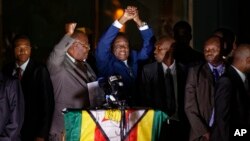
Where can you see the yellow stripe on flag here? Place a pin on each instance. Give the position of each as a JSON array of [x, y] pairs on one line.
[[87, 128], [145, 126]]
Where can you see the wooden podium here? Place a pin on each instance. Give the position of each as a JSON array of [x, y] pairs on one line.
[[104, 125]]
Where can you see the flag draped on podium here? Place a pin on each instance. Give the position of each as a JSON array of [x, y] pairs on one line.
[[104, 125]]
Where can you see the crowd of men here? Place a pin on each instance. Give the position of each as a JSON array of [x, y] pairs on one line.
[[205, 95]]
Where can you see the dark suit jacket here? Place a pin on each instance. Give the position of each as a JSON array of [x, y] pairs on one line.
[[199, 99], [11, 109], [69, 82], [153, 87], [153, 92], [232, 107], [38, 96]]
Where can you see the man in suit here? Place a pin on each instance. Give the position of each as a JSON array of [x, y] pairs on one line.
[[199, 91], [113, 56], [70, 74], [11, 109], [232, 99], [154, 89], [37, 90]]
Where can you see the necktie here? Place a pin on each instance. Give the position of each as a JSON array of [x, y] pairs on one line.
[[82, 66], [216, 74], [170, 95], [18, 73], [216, 77]]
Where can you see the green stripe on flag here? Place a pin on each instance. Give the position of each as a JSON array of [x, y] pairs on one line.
[[72, 122], [159, 118]]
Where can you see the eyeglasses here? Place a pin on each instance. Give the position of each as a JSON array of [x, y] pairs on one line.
[[87, 46]]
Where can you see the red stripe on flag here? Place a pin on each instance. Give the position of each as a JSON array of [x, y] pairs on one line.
[[133, 134], [98, 135]]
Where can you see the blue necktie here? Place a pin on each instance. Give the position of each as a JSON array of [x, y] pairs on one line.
[[216, 74], [216, 77]]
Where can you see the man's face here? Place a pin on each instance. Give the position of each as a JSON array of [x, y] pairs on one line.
[[81, 48], [22, 50], [248, 65], [212, 53], [161, 48], [121, 48]]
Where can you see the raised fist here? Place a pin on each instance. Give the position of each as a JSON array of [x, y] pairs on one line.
[[69, 28]]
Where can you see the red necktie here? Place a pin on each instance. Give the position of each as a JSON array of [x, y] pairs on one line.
[[18, 73]]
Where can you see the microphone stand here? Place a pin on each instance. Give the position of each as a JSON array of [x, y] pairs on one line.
[[123, 125]]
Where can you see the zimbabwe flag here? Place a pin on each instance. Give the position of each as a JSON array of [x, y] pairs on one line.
[[104, 125]]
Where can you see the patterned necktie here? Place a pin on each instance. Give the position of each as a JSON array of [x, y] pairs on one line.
[[170, 95], [18, 73]]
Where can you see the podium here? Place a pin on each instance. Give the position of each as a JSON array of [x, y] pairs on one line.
[[104, 124]]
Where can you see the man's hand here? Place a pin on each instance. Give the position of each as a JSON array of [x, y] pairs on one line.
[[129, 14], [137, 18], [70, 28]]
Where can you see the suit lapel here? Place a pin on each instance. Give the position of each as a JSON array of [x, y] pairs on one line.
[[76, 72], [209, 74], [205, 77], [91, 73], [238, 80], [28, 70], [161, 78]]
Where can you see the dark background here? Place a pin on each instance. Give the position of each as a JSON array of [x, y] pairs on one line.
[[43, 20]]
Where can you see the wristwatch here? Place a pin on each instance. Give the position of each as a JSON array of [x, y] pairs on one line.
[[143, 24]]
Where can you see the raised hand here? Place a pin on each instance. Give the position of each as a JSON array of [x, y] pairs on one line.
[[129, 14], [70, 28], [137, 18]]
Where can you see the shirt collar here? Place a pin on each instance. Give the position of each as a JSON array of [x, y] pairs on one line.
[[73, 59], [220, 68], [165, 67], [24, 65], [241, 74], [126, 62]]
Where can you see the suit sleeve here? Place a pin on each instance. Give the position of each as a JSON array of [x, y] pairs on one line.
[[198, 128], [14, 111], [103, 51], [148, 44], [45, 90], [223, 95], [58, 54]]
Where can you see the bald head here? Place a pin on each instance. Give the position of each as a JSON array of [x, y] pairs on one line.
[[80, 48], [163, 47], [242, 58]]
